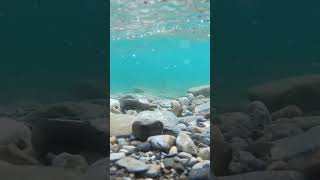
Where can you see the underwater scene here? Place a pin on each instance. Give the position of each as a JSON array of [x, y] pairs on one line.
[[53, 73], [266, 90], [160, 89]]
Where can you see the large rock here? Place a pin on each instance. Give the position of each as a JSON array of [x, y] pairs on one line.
[[266, 175], [121, 124], [303, 91], [72, 136], [200, 90], [169, 119], [144, 128]]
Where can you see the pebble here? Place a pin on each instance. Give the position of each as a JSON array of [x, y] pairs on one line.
[[162, 142], [173, 151], [185, 143], [117, 156], [132, 165], [153, 171]]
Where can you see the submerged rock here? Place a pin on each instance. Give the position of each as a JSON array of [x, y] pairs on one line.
[[144, 128], [162, 142], [303, 91], [132, 165], [169, 119], [200, 90], [186, 144]]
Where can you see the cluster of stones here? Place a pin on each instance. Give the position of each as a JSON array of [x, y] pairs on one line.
[[159, 138], [66, 140], [275, 137]]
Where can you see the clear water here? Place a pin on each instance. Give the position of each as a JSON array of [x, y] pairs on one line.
[[161, 47]]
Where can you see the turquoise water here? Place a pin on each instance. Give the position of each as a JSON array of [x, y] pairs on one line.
[[161, 47], [160, 65]]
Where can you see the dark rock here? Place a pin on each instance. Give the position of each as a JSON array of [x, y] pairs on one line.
[[75, 137], [144, 128], [287, 112], [259, 113], [303, 91], [143, 147]]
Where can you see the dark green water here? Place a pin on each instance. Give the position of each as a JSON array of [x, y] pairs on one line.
[[48, 48], [258, 41]]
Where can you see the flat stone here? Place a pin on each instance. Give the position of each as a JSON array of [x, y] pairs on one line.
[[162, 142], [132, 165], [186, 144], [117, 156]]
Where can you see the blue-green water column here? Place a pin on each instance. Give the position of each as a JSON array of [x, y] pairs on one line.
[[163, 65]]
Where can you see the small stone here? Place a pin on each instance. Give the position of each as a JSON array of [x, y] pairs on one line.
[[113, 140], [287, 112], [135, 143], [71, 161], [168, 163], [130, 149], [204, 153], [132, 165], [200, 174], [162, 142], [153, 171], [201, 165], [173, 151], [192, 161], [186, 144], [117, 156], [185, 155], [179, 168], [277, 166], [143, 147]]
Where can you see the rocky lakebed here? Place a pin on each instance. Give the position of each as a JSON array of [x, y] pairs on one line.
[[160, 138], [275, 137]]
